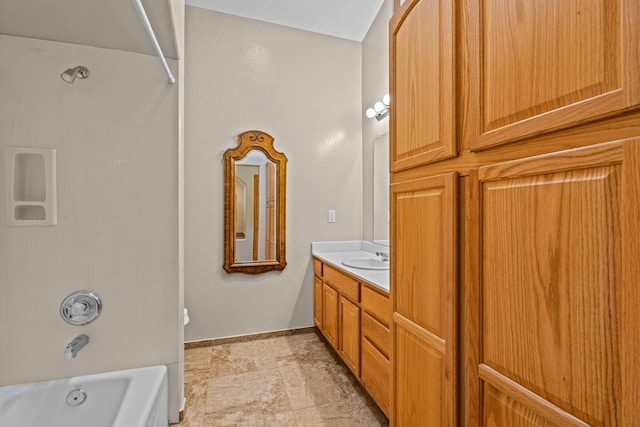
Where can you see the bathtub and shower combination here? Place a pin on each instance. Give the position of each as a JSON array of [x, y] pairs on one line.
[[130, 398]]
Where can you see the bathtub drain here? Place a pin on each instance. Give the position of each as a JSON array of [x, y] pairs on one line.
[[76, 397]]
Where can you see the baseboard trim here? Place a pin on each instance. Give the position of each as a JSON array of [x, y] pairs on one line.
[[245, 338]]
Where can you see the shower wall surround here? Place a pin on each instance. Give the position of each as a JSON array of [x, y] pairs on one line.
[[115, 137]]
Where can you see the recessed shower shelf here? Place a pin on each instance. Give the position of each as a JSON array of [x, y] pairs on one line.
[[30, 186]]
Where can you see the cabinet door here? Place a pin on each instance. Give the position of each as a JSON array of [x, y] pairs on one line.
[[550, 64], [330, 314], [317, 301], [422, 76], [424, 300], [559, 295], [350, 335]]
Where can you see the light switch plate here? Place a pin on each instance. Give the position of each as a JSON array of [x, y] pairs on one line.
[[331, 216]]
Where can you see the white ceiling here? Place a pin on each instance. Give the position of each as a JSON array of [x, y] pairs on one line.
[[112, 24], [347, 19]]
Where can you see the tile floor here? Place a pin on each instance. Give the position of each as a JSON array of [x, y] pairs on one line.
[[294, 380]]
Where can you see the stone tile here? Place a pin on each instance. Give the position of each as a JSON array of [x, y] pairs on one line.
[[287, 345], [300, 348], [236, 358], [191, 376], [250, 418], [314, 384], [343, 414], [196, 359], [259, 391], [195, 392]]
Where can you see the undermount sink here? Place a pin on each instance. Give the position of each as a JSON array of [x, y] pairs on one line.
[[366, 263]]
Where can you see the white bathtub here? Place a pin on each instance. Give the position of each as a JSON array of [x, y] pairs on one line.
[[131, 398]]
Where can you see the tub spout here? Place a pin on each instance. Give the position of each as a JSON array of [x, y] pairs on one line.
[[75, 346]]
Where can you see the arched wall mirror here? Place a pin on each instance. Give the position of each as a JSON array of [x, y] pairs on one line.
[[254, 205]]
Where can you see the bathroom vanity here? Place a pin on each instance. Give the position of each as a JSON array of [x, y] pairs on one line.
[[352, 310]]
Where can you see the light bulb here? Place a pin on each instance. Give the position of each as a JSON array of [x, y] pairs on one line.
[[379, 107], [386, 100], [370, 113]]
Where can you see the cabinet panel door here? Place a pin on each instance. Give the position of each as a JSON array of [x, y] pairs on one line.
[[422, 76], [350, 335], [330, 314], [559, 288], [317, 301], [551, 64], [424, 300]]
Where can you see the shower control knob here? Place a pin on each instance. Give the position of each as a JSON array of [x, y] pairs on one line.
[[80, 308]]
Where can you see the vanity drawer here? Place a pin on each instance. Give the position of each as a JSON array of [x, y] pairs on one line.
[[343, 283], [375, 375], [317, 267], [376, 332], [377, 305]]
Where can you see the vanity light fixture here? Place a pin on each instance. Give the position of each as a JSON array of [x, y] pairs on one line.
[[380, 109]]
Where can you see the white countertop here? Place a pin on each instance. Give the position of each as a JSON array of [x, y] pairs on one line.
[[333, 253]]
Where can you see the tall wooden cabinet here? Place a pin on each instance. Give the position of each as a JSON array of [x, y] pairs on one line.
[[515, 206]]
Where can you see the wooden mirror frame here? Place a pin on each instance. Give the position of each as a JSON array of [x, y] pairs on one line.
[[247, 141]]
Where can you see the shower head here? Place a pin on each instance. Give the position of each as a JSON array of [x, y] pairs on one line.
[[71, 74]]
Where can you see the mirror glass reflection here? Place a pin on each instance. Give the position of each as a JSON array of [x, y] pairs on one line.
[[255, 208], [381, 189]]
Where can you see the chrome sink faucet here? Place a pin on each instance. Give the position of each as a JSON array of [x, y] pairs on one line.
[[75, 346], [383, 255]]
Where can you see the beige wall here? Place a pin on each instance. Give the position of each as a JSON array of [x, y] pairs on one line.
[[116, 135], [375, 83], [302, 88]]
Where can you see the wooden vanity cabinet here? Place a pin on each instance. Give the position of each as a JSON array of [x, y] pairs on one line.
[[355, 321]]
